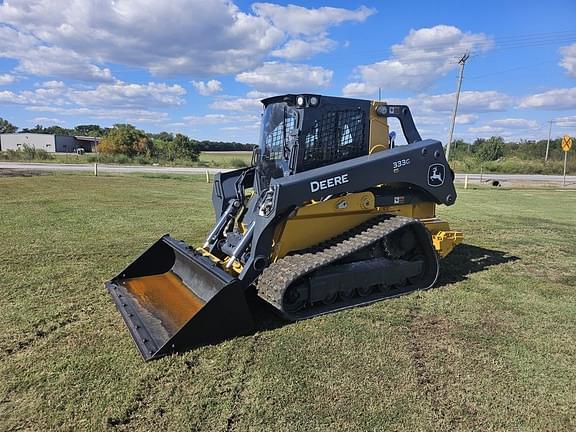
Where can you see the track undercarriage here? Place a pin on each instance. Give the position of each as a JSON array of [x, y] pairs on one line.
[[384, 257]]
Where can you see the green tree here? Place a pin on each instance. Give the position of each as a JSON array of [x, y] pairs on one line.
[[91, 130], [175, 147], [126, 139], [162, 136], [459, 149], [185, 147], [50, 130], [7, 127], [489, 150]]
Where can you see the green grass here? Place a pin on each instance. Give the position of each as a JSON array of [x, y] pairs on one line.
[[491, 348], [512, 165], [224, 159]]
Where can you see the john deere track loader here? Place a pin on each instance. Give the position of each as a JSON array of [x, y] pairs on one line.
[[330, 215]]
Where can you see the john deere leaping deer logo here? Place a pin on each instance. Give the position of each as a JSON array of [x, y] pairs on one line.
[[436, 175]]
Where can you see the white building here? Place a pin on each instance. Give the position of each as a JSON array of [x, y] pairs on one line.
[[50, 143]]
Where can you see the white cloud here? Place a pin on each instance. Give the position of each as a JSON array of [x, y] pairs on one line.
[[298, 20], [464, 119], [470, 102], [47, 121], [7, 79], [238, 104], [78, 39], [40, 96], [37, 58], [260, 94], [118, 94], [486, 129], [119, 115], [556, 99], [506, 127], [220, 119], [568, 61], [119, 100], [285, 77], [569, 121], [121, 94], [308, 27], [424, 56], [207, 88], [247, 127], [516, 123], [164, 37], [298, 49]]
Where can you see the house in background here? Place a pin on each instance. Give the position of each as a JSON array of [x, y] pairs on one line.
[[50, 143]]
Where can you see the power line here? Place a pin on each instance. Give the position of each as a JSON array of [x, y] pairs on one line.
[[511, 69], [500, 43]]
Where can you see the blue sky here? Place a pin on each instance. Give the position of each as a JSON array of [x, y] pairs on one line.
[[200, 67]]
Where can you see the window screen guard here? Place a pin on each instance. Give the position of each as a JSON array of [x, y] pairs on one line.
[[338, 135]]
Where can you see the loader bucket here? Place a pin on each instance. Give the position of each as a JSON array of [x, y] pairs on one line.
[[173, 298]]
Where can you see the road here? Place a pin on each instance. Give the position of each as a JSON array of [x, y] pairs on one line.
[[517, 178], [124, 169], [473, 178]]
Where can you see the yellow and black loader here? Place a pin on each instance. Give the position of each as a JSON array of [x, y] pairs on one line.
[[331, 215]]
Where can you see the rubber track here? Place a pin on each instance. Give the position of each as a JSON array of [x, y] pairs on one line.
[[278, 277]]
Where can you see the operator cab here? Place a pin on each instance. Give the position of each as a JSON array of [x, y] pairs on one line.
[[303, 132]]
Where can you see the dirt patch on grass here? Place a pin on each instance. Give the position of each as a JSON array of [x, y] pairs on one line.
[[39, 331], [140, 401], [433, 352], [238, 391]]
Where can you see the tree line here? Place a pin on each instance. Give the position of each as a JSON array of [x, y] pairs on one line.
[[126, 139], [494, 148]]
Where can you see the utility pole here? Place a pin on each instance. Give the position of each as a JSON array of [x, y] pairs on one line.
[[461, 62], [548, 143]]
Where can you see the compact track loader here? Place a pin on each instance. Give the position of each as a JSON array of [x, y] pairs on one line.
[[330, 215]]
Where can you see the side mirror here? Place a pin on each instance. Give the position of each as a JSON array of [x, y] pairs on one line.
[[255, 156]]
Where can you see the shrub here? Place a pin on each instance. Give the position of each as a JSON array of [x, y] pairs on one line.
[[238, 163], [27, 153], [490, 150], [125, 139]]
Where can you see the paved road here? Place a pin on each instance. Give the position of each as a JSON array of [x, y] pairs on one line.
[[517, 178], [107, 168]]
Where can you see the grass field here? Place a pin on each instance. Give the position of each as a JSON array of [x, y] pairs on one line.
[[490, 348], [225, 159], [216, 159]]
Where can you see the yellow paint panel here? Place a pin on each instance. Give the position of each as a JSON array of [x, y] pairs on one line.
[[379, 131], [321, 221]]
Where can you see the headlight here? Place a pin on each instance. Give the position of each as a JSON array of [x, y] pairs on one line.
[[314, 101], [300, 101], [382, 110]]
